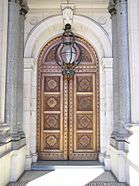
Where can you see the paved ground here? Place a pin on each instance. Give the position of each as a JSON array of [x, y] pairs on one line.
[[105, 179], [67, 173]]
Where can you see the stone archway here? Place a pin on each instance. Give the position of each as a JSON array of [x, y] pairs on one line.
[[37, 38]]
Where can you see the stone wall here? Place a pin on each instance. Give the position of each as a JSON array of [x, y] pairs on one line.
[[133, 20], [133, 152]]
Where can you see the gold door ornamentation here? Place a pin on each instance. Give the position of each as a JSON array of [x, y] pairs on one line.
[[68, 110]]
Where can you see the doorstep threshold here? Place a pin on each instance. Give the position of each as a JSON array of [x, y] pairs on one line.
[[52, 165]]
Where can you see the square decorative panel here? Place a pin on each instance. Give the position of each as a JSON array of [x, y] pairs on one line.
[[52, 103], [51, 121], [85, 84], [84, 103], [84, 122], [52, 84], [52, 141], [84, 141]]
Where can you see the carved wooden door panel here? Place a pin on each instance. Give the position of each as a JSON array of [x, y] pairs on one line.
[[53, 144], [68, 119], [82, 117]]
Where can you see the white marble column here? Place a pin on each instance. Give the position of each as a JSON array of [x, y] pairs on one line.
[[123, 64], [4, 128], [121, 75], [12, 60], [14, 84]]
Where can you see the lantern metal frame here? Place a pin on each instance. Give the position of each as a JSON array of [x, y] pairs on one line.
[[68, 53]]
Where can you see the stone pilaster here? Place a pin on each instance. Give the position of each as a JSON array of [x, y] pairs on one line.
[[121, 75], [14, 84]]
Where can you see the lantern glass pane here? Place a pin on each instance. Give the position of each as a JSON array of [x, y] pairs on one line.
[[68, 54]]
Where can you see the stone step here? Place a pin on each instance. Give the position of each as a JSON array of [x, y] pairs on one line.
[[105, 184], [52, 165], [90, 184]]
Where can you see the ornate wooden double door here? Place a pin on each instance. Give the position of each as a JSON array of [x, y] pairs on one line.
[[68, 110]]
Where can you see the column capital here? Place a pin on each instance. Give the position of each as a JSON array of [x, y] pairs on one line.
[[24, 7], [111, 7]]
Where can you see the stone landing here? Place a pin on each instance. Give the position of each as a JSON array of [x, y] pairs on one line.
[[68, 177]]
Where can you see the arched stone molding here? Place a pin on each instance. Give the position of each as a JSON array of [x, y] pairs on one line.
[[45, 31], [82, 26]]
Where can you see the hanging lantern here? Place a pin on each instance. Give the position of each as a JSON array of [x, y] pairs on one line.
[[68, 52]]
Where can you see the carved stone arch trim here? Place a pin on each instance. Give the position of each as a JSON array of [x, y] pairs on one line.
[[91, 32]]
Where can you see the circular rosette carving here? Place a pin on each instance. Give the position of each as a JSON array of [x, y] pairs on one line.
[[102, 20]]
